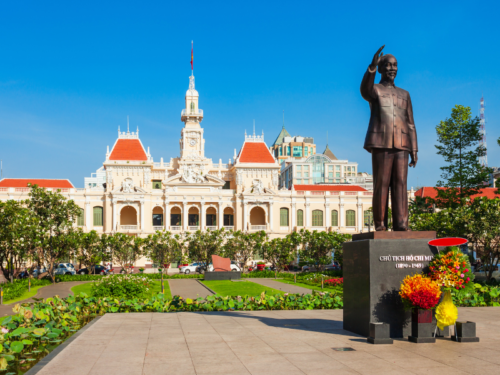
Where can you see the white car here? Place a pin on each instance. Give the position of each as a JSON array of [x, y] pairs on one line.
[[65, 269], [234, 267], [193, 267]]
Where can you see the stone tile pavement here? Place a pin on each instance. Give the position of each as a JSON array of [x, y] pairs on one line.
[[265, 342]]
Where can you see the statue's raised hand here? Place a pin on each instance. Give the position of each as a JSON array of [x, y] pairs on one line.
[[376, 58]]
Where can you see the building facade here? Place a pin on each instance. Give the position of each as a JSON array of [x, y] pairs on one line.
[[131, 193]]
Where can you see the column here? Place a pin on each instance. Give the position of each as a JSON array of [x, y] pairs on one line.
[[294, 216], [342, 215], [166, 219], [185, 210], [245, 215], [142, 214], [114, 215], [271, 216], [307, 220], [88, 216], [203, 217], [220, 216], [328, 215], [360, 217]]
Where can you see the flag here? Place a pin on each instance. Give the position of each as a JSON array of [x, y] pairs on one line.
[[192, 56]]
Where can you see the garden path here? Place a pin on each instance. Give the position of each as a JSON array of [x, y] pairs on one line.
[[62, 290], [287, 288], [188, 288]]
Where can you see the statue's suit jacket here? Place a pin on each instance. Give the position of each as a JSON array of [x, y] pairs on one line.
[[391, 120]]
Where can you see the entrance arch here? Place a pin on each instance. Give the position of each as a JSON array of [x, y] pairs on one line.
[[258, 219], [128, 218]]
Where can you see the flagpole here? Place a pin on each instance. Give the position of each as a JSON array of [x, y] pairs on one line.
[[192, 59]]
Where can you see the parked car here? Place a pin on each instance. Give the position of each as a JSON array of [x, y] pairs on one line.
[[37, 272], [64, 269], [193, 267], [313, 268], [234, 267], [482, 271], [98, 270]]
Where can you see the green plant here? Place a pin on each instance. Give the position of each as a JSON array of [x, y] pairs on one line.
[[121, 286]]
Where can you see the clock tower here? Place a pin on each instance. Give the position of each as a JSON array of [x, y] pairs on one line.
[[192, 143]]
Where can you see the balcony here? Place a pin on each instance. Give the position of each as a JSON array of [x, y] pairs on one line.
[[129, 227], [176, 228], [211, 227], [157, 227], [193, 228], [191, 113], [229, 227], [258, 227]]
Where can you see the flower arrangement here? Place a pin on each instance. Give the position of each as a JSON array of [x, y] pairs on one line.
[[451, 270], [335, 282], [419, 291]]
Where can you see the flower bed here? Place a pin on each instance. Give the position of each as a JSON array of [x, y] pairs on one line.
[[334, 282], [125, 286]]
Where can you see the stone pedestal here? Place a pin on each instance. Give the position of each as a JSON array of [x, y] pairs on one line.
[[466, 332], [233, 275], [375, 263]]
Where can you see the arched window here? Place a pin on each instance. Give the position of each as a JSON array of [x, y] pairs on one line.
[[317, 218], [98, 216], [335, 218], [300, 218], [350, 218], [80, 221], [284, 217], [368, 218]]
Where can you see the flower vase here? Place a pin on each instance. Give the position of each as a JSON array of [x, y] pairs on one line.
[[422, 328]]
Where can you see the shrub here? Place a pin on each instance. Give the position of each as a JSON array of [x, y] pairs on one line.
[[334, 282], [19, 287], [121, 286]]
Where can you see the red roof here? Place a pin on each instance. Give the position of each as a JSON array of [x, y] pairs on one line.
[[429, 191], [328, 188], [255, 152], [128, 149], [23, 182]]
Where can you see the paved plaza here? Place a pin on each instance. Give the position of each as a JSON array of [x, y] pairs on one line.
[[265, 342]]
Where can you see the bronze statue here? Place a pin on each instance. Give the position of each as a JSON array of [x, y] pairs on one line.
[[391, 137]]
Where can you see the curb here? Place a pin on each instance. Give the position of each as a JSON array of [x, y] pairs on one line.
[[206, 287], [45, 360]]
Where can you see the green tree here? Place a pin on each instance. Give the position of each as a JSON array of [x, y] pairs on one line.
[[202, 245], [124, 249], [482, 221], [281, 251], [463, 175], [18, 236], [162, 248], [92, 249], [242, 246], [55, 234], [318, 246]]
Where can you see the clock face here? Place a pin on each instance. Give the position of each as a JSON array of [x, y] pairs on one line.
[[192, 142]]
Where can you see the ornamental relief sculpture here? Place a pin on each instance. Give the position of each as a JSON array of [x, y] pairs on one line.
[[193, 174]]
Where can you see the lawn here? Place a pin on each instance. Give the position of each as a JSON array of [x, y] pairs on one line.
[[312, 287], [25, 295], [85, 288], [239, 288]]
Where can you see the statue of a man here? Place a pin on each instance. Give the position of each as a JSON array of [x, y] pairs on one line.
[[391, 138]]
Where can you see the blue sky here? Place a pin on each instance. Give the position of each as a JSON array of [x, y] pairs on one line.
[[71, 72]]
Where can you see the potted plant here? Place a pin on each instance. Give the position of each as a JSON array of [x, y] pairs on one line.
[[261, 266], [141, 270], [420, 294]]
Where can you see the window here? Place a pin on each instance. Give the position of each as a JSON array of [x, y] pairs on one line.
[[80, 221], [192, 107], [300, 218], [368, 218], [228, 220], [330, 175], [97, 216], [306, 181], [281, 151], [337, 181], [337, 167], [289, 151], [348, 169], [317, 218], [335, 218], [227, 185], [350, 218], [330, 167], [299, 181], [157, 220], [299, 167], [337, 174], [306, 174], [175, 219], [297, 151], [299, 174], [305, 151], [211, 220], [284, 217], [156, 184]]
